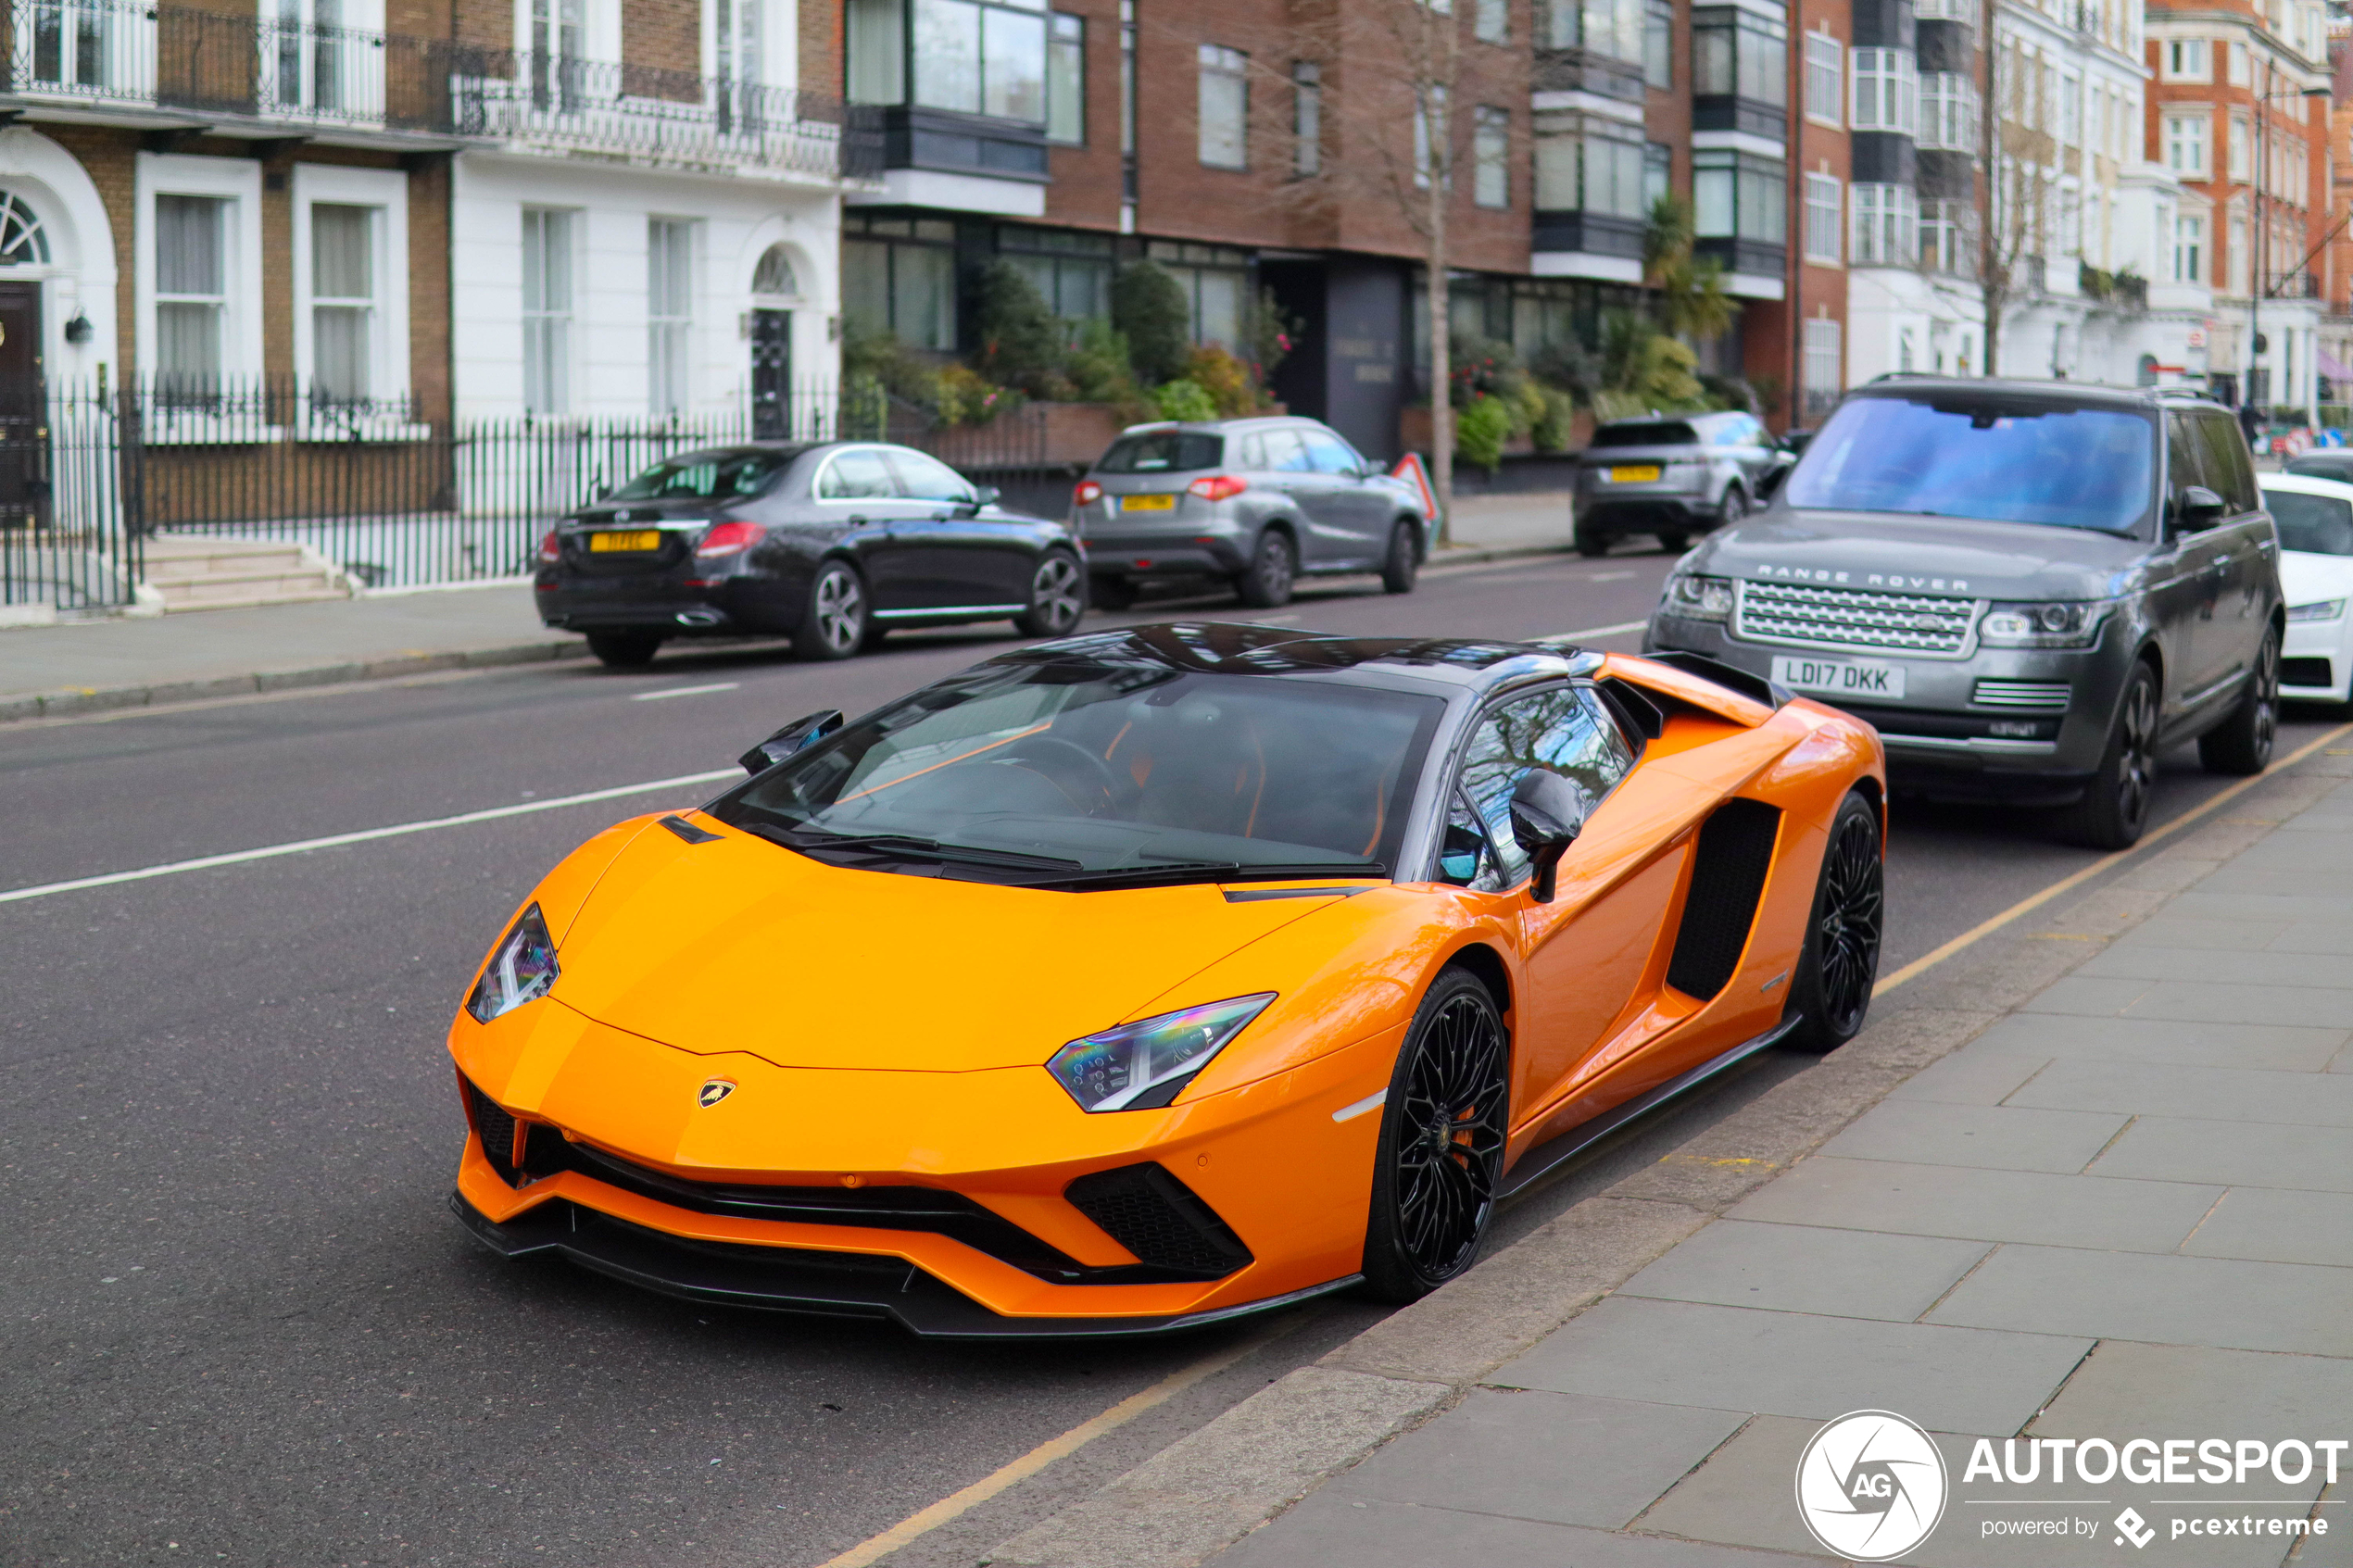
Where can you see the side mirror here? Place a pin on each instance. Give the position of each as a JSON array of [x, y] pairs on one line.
[[802, 731], [1548, 811], [1770, 483], [985, 494], [2200, 509]]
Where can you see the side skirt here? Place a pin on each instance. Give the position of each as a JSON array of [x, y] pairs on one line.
[[1546, 1157]]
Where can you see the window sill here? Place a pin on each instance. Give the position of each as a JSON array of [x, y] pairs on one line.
[[359, 433]]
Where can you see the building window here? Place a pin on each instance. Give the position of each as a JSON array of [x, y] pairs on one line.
[[1821, 370], [1946, 11], [1492, 22], [1217, 283], [966, 57], [1492, 158], [1307, 118], [1824, 58], [898, 277], [1740, 54], [670, 303], [23, 242], [1428, 152], [2185, 142], [2241, 164], [547, 311], [876, 34], [1613, 28], [343, 301], [1589, 164], [1225, 107], [1658, 45], [192, 293], [1886, 92], [2240, 257], [1127, 96], [1947, 226], [1822, 225], [1070, 270], [1948, 111], [2071, 107], [2183, 59], [1885, 220], [1738, 196], [1658, 172], [1066, 78], [2241, 75]]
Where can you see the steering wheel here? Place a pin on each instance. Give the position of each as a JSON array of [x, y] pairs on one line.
[[1100, 774]]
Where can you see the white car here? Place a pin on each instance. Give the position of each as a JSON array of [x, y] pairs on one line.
[[2315, 519]]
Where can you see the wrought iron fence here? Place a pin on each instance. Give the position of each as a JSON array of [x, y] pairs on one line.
[[395, 499]]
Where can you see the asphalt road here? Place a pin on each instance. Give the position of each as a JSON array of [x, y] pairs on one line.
[[239, 1326]]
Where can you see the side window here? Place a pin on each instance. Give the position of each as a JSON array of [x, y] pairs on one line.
[[1285, 454], [925, 478], [856, 473], [2182, 468], [1565, 731], [2227, 461], [1329, 453], [1252, 454], [1466, 857]]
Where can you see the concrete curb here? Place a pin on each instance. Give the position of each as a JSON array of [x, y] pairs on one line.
[[72, 700], [1226, 1479]]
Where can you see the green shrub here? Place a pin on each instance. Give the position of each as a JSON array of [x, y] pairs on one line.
[[1551, 431], [1021, 343], [1184, 399], [1098, 367], [1225, 378], [1149, 310], [969, 398], [1480, 430]]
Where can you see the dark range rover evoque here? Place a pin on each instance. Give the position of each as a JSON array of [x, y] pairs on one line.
[[2030, 588]]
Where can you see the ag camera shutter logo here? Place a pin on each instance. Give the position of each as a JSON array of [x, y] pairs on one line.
[[1870, 1486]]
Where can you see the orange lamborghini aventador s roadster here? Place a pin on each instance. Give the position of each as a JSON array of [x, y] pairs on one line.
[[1154, 976]]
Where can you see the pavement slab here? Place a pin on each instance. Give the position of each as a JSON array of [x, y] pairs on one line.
[[2233, 1304], [1795, 1268], [2287, 1049], [2022, 1206], [2214, 1094], [2258, 1154], [1973, 1075], [2284, 1227], [1331, 1529], [1930, 1132]]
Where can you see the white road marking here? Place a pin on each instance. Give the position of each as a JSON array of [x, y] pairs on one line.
[[1609, 577], [684, 691], [365, 836], [1592, 632], [1370, 1102]]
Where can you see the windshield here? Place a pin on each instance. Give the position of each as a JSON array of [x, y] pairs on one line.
[[1164, 451], [705, 476], [1080, 772], [2321, 525], [2003, 460]]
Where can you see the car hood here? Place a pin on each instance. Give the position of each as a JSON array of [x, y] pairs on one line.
[[739, 945], [1954, 556], [2306, 578]]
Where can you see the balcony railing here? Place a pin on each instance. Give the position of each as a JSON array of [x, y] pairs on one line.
[[180, 63], [2291, 286]]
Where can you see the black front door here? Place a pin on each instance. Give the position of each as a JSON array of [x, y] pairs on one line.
[[24, 440], [771, 374]]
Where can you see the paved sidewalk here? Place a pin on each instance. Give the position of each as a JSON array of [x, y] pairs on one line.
[[78, 667], [2119, 1212]]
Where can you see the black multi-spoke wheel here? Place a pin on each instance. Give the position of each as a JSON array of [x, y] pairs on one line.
[[1840, 963], [2241, 743], [1441, 1142], [2115, 807]]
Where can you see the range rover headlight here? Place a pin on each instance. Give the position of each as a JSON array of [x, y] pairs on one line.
[[1699, 599], [2326, 610], [522, 968], [2056, 624], [1142, 1066]]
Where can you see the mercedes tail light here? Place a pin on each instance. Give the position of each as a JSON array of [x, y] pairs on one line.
[[1219, 486], [726, 538], [551, 549]]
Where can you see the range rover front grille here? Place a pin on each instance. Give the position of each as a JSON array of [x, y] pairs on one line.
[[2047, 695], [1802, 616]]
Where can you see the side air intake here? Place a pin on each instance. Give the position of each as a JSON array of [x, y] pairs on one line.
[[1735, 853], [1159, 1219]]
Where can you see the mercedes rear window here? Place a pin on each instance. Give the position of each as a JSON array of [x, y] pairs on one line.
[[703, 476], [1650, 433], [1164, 451], [2320, 525]]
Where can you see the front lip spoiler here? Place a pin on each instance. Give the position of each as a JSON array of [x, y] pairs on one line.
[[805, 1280]]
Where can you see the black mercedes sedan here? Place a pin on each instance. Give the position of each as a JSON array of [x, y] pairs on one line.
[[831, 545]]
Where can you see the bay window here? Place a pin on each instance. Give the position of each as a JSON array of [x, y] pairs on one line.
[[1886, 220], [1614, 27], [1947, 231], [968, 56], [1738, 54], [1886, 92], [1948, 111], [1738, 196], [1067, 79], [1588, 163]]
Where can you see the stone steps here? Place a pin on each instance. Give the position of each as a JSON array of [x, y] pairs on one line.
[[198, 571]]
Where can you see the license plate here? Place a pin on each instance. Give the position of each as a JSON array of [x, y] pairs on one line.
[[1148, 503], [608, 544], [1839, 677], [1644, 474]]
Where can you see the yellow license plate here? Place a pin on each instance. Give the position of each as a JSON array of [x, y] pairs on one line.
[[607, 544], [1643, 474], [1148, 503]]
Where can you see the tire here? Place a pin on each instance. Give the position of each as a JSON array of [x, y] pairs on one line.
[[1111, 593], [1404, 562], [833, 624], [624, 650], [1592, 545], [1273, 567], [1735, 506], [2241, 743], [1057, 596], [2115, 807], [1832, 993], [1434, 1191], [1673, 541]]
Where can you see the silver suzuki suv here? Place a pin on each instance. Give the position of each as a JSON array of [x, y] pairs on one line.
[[1673, 476], [1257, 503], [2032, 589]]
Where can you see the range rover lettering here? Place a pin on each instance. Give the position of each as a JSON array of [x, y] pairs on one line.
[[2032, 589]]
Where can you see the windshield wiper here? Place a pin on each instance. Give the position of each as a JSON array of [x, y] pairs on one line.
[[1180, 871], [816, 840]]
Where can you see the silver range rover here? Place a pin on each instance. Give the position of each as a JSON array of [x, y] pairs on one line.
[[2030, 588]]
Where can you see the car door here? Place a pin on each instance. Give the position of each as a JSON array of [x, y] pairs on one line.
[[1290, 473], [858, 506], [1358, 512], [2246, 553], [962, 555], [1585, 952], [2181, 585]]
